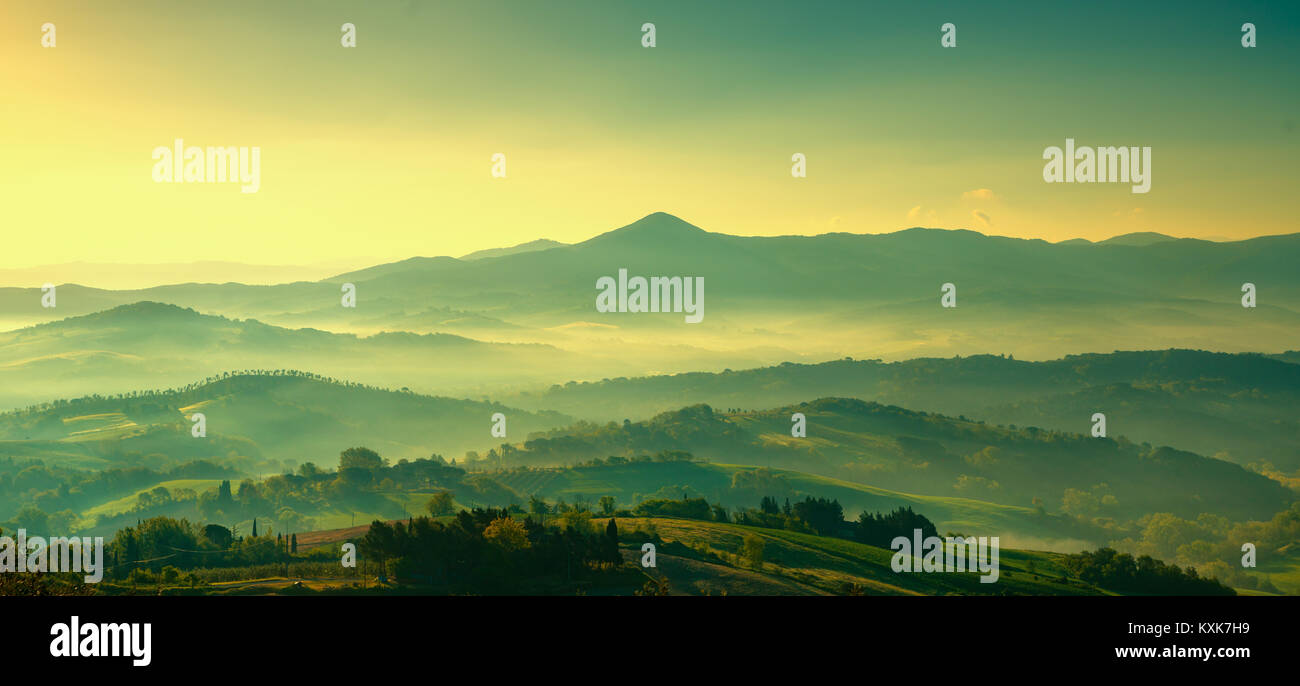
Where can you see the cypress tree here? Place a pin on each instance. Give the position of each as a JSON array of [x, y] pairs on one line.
[[224, 498], [611, 542]]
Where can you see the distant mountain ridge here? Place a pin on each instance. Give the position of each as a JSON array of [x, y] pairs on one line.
[[530, 246], [1138, 238], [135, 276], [792, 298]]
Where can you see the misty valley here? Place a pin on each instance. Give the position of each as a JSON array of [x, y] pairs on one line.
[[449, 437]]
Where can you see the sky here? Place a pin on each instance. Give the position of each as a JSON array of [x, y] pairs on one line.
[[384, 151]]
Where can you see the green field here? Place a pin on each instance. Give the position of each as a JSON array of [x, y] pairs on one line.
[[808, 564], [719, 483], [120, 505]]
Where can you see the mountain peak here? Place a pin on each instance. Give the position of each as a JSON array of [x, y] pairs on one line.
[[655, 227], [144, 308], [661, 222], [1138, 238], [139, 313]]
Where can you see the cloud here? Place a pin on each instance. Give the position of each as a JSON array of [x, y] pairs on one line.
[[979, 194], [983, 218], [913, 213]]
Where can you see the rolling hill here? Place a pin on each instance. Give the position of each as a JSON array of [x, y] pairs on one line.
[[1236, 407], [258, 422], [705, 561], [149, 344], [737, 486], [922, 453]]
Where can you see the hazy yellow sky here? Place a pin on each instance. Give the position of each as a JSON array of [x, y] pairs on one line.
[[384, 150]]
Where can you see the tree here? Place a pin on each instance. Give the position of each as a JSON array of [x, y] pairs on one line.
[[826, 517], [254, 527], [578, 520], [880, 530], [752, 551], [609, 547], [442, 503], [380, 542], [507, 532], [224, 497], [309, 470], [293, 543], [218, 535], [606, 503], [360, 458], [694, 508], [250, 496]]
